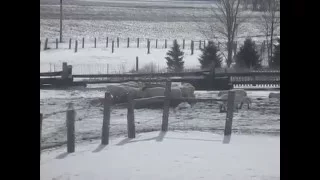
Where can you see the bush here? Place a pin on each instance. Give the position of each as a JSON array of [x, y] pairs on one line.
[[210, 57], [175, 58], [248, 57], [275, 61]]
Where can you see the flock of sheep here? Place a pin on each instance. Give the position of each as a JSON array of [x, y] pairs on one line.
[[138, 90]]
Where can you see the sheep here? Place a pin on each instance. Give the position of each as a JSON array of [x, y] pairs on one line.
[[159, 91], [120, 92], [238, 91], [239, 99], [274, 95]]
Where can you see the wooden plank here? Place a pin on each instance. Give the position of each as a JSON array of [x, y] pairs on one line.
[[106, 119], [196, 73], [130, 117], [248, 74], [41, 116], [228, 125], [70, 129], [51, 73], [166, 104]]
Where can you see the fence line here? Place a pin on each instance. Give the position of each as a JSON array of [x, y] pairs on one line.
[[70, 118]]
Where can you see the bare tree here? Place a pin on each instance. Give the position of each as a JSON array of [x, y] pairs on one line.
[[227, 15], [270, 22]]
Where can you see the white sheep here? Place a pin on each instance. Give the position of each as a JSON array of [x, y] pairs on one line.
[[274, 95], [159, 91], [238, 91], [120, 92], [239, 99]]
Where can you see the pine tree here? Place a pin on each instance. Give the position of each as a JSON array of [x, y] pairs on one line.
[[248, 57], [275, 63], [175, 58], [209, 56]]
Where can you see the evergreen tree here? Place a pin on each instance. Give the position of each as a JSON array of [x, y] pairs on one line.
[[209, 56], [248, 57], [276, 56], [175, 58]]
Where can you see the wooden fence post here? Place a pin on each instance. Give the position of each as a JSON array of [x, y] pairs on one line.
[[192, 45], [183, 42], [106, 119], [56, 43], [76, 46], [107, 42], [107, 68], [200, 44], [46, 44], [117, 42], [40, 132], [64, 74], [137, 42], [165, 44], [112, 46], [70, 129], [70, 43], [165, 116], [156, 43], [137, 64], [82, 42], [95, 42], [128, 43], [148, 46], [228, 125], [130, 117]]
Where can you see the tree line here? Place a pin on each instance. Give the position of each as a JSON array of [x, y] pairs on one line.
[[247, 57]]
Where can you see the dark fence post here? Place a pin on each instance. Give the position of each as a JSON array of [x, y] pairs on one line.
[[70, 129], [76, 46], [199, 44], [165, 116], [83, 42], [70, 43], [64, 74], [128, 43], [156, 43], [148, 46], [95, 42], [228, 125], [46, 44], [183, 42], [192, 45], [107, 42], [112, 46], [137, 42], [165, 44], [130, 117], [106, 119], [56, 43], [117, 42], [137, 64], [40, 132]]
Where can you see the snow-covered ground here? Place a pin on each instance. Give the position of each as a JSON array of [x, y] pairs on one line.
[[262, 117], [97, 60], [168, 19], [172, 155]]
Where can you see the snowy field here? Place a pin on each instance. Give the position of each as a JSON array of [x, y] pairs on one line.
[[263, 117], [95, 61], [144, 19], [170, 156]]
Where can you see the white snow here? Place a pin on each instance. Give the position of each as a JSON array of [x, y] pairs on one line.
[[94, 61], [174, 155]]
